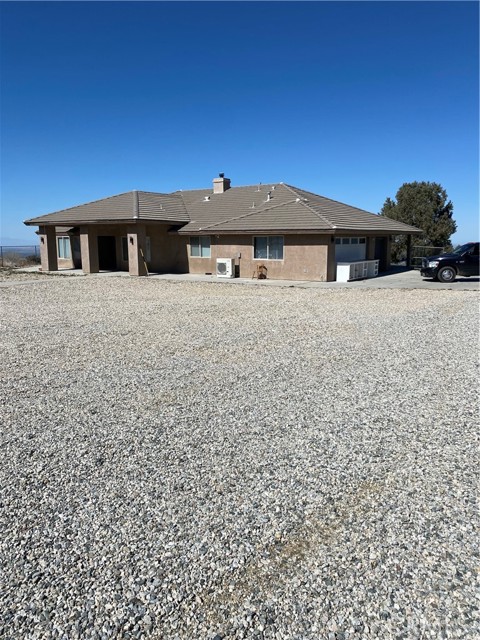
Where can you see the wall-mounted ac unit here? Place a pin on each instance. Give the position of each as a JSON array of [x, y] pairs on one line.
[[226, 267]]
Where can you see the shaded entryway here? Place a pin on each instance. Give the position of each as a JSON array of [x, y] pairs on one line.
[[381, 248], [107, 253]]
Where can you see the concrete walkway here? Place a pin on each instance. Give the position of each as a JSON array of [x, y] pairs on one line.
[[397, 278]]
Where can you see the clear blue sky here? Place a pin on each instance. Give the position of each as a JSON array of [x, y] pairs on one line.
[[347, 99]]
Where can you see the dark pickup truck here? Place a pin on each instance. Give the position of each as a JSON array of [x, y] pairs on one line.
[[463, 261]]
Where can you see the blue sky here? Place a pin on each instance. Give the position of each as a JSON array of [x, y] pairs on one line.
[[347, 99]]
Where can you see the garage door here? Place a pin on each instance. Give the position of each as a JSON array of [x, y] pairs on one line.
[[350, 249]]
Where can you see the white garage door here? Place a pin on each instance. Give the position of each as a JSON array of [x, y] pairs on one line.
[[350, 249]]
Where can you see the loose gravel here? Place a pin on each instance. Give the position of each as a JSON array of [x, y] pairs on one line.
[[201, 461]]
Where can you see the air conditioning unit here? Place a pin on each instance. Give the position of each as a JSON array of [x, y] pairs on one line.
[[226, 267]]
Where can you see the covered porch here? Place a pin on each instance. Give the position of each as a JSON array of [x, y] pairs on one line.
[[136, 248]]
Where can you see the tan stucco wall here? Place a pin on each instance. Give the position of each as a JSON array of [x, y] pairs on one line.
[[305, 257], [168, 251], [48, 249]]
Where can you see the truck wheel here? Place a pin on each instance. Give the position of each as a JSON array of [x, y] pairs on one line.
[[446, 274]]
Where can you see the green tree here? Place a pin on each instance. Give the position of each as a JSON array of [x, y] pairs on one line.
[[424, 205]]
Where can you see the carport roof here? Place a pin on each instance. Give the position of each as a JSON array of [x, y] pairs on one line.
[[272, 208]]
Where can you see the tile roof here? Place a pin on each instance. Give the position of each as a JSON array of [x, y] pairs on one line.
[[252, 209], [133, 205], [287, 208]]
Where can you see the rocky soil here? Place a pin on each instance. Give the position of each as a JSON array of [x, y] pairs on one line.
[[199, 461]]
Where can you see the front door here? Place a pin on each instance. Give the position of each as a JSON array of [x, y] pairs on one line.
[[107, 253]]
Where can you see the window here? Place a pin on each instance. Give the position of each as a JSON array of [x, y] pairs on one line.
[[63, 247], [473, 251], [268, 247], [350, 240], [200, 246]]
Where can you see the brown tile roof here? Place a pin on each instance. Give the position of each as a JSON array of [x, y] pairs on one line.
[[252, 209], [133, 205], [287, 208]]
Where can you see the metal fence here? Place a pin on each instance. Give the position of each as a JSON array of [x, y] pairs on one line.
[[419, 252], [19, 256]]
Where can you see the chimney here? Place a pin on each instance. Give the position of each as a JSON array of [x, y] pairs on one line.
[[221, 184]]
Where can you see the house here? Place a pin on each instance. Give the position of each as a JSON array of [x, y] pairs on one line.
[[294, 234]]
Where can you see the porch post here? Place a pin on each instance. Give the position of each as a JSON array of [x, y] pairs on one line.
[[370, 248], [89, 250], [409, 251], [388, 252], [136, 240], [48, 249], [331, 271]]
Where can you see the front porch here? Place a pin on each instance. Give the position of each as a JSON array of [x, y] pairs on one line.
[[133, 248]]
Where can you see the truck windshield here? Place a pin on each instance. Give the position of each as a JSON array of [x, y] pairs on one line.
[[462, 249]]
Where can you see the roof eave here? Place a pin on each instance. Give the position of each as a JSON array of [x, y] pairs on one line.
[[115, 221], [337, 231], [238, 232]]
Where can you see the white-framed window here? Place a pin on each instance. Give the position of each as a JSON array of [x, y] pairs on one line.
[[63, 244], [354, 240], [200, 246], [148, 251], [268, 247]]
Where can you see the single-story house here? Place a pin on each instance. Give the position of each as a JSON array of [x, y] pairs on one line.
[[290, 233]]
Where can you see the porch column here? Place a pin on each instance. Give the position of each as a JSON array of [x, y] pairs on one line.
[[136, 240], [48, 249], [388, 252], [370, 254], [89, 250], [331, 274], [409, 251]]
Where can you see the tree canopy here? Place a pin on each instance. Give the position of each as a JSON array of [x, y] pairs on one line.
[[424, 205]]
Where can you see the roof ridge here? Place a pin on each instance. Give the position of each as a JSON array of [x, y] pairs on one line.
[[319, 215], [317, 195], [240, 186], [251, 213], [158, 193]]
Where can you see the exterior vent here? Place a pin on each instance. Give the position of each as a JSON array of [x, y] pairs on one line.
[[225, 267]]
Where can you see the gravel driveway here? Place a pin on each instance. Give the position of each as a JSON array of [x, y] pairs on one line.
[[196, 461]]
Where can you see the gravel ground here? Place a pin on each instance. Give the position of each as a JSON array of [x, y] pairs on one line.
[[8, 274], [197, 461]]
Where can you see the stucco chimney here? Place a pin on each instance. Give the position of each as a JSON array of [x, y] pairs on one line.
[[221, 183]]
